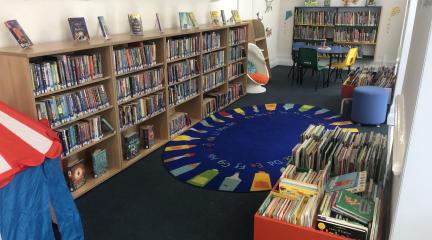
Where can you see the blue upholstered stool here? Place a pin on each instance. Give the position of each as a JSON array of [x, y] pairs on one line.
[[369, 105]]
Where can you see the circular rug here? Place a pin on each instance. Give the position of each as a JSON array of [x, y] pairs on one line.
[[243, 149]]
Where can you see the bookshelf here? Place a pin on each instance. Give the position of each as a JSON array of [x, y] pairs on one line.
[[347, 26], [257, 36], [17, 86]]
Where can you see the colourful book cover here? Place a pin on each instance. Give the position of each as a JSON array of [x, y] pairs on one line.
[[99, 162], [342, 182], [78, 29], [147, 134], [135, 23], [131, 144], [215, 17], [18, 33], [355, 206], [103, 27], [193, 19], [184, 21], [76, 172], [236, 16]]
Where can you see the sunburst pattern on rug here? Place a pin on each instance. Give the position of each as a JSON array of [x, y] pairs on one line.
[[243, 149]]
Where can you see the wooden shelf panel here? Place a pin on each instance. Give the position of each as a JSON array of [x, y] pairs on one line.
[[85, 147], [128, 100], [56, 92], [237, 60], [214, 69], [237, 44], [313, 25], [146, 68], [193, 122], [214, 87], [169, 61], [236, 77], [213, 50], [184, 80], [189, 98], [143, 120], [83, 117]]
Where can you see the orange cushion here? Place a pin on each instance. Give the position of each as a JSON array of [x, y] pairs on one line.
[[259, 78]]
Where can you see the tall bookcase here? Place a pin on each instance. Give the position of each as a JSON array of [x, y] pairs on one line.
[[347, 26], [257, 36], [17, 88]]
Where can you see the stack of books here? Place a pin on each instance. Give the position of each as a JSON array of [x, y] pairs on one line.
[[180, 71], [302, 17], [237, 36], [183, 91], [213, 79], [220, 99], [360, 35], [63, 71], [371, 76], [179, 122], [310, 33], [139, 84], [235, 69], [357, 18], [64, 108], [211, 40], [212, 61], [183, 47], [235, 91], [134, 58], [236, 53], [209, 106], [80, 134], [138, 111]]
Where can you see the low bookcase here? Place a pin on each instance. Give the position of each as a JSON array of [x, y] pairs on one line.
[[17, 86]]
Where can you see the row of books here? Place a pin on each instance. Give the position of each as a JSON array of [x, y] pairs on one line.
[[357, 18], [211, 40], [135, 57], [179, 121], [347, 151], [235, 91], [237, 35], [80, 134], [134, 141], [64, 71], [314, 17], [220, 99], [182, 92], [209, 106], [235, 69], [67, 107], [139, 84], [236, 53], [78, 170], [213, 79], [371, 76], [180, 71], [140, 110], [355, 35], [183, 47], [307, 32], [213, 60]]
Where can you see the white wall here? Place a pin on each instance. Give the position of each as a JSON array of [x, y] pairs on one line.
[[387, 48]]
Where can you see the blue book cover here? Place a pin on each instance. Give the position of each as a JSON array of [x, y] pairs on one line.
[[346, 181], [184, 21], [100, 163]]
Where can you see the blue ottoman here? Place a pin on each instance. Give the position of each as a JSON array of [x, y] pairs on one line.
[[369, 105]]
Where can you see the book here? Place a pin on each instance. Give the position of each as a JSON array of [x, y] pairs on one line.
[[138, 111], [78, 29], [236, 16], [139, 84], [185, 23], [353, 206], [135, 23], [222, 13], [76, 173], [99, 162], [215, 17], [193, 21], [106, 126], [103, 27], [131, 145], [147, 134], [181, 92], [18, 33], [179, 121], [158, 23], [144, 55], [187, 46], [354, 182]]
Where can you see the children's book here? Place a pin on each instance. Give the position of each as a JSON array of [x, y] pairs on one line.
[[103, 27], [236, 16], [18, 33], [99, 162], [135, 23], [354, 206], [353, 182], [158, 23], [78, 29], [193, 20], [215, 17], [184, 21], [222, 12], [76, 172]]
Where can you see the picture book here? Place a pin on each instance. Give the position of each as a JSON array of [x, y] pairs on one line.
[[103, 27], [76, 172], [215, 17], [131, 145], [353, 182], [147, 135], [342, 228], [135, 23], [78, 29], [193, 20], [236, 16], [184, 21], [106, 126], [158, 23], [354, 206], [18, 33], [222, 13], [99, 162]]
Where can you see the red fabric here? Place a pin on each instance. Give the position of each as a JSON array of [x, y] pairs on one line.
[[259, 78], [17, 153], [347, 91]]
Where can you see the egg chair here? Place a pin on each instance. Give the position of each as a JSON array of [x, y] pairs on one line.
[[257, 73]]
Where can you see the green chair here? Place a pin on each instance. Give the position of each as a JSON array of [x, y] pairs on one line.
[[308, 59]]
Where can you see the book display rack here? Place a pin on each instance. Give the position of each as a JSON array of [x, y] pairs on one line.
[[125, 83]]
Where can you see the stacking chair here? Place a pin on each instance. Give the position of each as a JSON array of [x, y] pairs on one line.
[[349, 61], [308, 59], [294, 55]]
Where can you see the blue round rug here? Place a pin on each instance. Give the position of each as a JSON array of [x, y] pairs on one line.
[[243, 149]]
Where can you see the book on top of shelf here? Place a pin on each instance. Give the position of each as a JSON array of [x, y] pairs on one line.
[[185, 23], [236, 16], [215, 17], [193, 20], [99, 162], [158, 23], [76, 174], [135, 23], [222, 13], [104, 28], [148, 136], [18, 33], [78, 29]]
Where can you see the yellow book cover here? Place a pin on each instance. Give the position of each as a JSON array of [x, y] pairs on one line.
[[193, 20], [236, 16], [215, 17]]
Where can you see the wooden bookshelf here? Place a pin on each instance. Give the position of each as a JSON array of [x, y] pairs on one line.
[[257, 36], [17, 89]]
